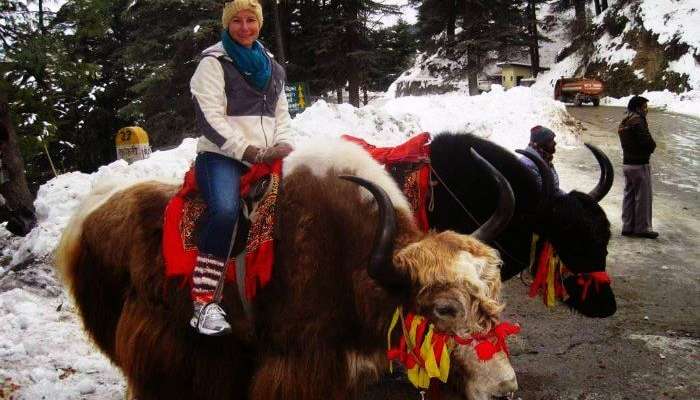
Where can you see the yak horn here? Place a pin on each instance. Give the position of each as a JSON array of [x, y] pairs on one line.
[[547, 189], [380, 266], [493, 227], [606, 174]]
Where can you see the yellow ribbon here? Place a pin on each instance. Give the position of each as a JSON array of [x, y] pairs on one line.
[[420, 376]]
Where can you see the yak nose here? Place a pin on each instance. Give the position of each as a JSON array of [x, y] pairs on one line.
[[508, 386]]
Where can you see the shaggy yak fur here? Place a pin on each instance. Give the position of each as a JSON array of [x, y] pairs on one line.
[[320, 325], [574, 223]]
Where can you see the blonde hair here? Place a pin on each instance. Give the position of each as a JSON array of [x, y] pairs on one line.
[[234, 7]]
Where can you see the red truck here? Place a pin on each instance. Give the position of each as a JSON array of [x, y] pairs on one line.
[[578, 90]]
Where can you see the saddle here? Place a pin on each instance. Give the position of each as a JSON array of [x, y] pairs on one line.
[[409, 165], [195, 208], [259, 190]]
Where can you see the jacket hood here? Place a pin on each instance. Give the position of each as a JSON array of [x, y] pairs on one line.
[[216, 50]]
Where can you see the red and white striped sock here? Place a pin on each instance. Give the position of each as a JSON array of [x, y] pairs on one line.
[[206, 276]]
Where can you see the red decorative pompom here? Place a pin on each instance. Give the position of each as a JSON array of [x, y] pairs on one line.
[[485, 350]]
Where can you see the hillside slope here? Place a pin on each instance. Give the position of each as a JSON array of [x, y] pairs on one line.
[[637, 46], [633, 46]]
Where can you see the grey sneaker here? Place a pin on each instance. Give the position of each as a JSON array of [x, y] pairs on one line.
[[210, 320]]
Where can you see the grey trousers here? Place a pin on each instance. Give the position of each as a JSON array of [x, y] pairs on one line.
[[636, 203]]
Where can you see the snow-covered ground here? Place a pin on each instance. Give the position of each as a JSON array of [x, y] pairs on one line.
[[43, 351]]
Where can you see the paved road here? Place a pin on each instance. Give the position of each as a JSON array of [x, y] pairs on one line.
[[651, 348]]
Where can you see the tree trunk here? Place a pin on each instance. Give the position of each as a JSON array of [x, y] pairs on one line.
[[580, 11], [450, 25], [354, 87], [41, 16], [604, 5], [473, 77], [339, 94], [283, 10], [597, 7], [473, 10], [279, 40], [365, 96], [534, 41], [17, 203], [473, 70], [353, 35]]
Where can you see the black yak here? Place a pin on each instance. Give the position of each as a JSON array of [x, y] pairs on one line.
[[574, 223]]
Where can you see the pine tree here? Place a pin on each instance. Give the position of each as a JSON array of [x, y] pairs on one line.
[[487, 26], [164, 40], [534, 35], [100, 87], [30, 56], [434, 18], [395, 48]]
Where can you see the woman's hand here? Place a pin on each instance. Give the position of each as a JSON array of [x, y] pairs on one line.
[[276, 152], [256, 155]]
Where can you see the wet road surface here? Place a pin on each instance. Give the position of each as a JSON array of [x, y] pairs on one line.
[[650, 349]]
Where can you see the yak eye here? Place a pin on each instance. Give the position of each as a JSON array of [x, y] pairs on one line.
[[445, 311]]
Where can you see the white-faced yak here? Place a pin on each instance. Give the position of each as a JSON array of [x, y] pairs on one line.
[[344, 261], [574, 224]]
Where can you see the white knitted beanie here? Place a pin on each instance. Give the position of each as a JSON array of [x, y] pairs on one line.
[[233, 7]]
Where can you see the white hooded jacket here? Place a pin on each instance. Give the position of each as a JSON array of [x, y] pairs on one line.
[[231, 113]]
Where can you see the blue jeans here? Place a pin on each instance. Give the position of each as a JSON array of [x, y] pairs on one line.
[[218, 179]]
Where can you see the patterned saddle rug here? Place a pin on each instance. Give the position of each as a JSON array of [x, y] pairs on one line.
[[259, 191]]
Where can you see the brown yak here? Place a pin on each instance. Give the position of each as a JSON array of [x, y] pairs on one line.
[[343, 263]]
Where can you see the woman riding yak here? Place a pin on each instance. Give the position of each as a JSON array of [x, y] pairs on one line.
[[242, 114]]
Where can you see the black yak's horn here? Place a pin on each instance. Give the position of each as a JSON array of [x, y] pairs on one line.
[[380, 267], [493, 227], [607, 174], [547, 190]]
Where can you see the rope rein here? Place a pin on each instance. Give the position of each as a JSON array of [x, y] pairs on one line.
[[431, 207]]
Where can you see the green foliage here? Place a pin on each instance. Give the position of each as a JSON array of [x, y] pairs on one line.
[[395, 49], [433, 15], [99, 65], [615, 23]]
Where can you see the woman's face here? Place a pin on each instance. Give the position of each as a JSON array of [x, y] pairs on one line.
[[244, 28]]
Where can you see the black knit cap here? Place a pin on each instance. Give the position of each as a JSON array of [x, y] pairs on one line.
[[541, 135], [636, 102]]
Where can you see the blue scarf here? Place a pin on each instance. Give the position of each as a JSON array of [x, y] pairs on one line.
[[252, 62]]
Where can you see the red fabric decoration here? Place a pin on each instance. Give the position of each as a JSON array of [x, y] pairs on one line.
[[259, 256], [483, 343], [484, 347], [539, 284], [485, 350], [180, 259], [415, 151], [597, 277]]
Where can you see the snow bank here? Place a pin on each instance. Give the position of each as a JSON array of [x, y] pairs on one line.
[[686, 103]]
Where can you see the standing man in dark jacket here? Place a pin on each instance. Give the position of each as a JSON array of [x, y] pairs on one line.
[[637, 147]]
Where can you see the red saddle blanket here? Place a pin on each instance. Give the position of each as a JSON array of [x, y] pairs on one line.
[[184, 209], [409, 165]]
